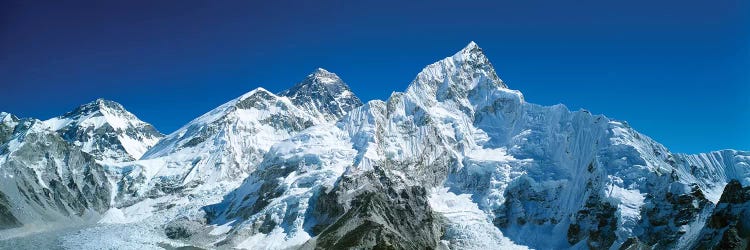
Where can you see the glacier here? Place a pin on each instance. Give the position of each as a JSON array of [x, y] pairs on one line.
[[458, 160]]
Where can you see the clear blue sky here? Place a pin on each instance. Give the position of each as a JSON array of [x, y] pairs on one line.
[[678, 71]]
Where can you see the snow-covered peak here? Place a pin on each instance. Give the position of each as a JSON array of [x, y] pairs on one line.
[[324, 95], [8, 118], [472, 45], [258, 92], [224, 144], [465, 76], [106, 130], [8, 123], [252, 106], [112, 113], [257, 99], [324, 76], [471, 50]]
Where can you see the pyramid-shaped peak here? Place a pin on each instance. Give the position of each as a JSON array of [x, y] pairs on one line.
[[323, 94], [257, 98], [472, 51], [321, 71], [455, 76], [472, 46], [99, 105], [256, 92], [7, 117], [321, 75], [106, 130], [104, 103]]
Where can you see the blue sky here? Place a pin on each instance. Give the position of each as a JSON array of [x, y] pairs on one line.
[[678, 71]]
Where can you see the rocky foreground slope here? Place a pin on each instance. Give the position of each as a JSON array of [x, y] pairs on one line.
[[458, 161]]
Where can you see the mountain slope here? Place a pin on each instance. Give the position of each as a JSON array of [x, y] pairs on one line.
[[456, 161], [52, 172], [44, 180], [570, 178], [228, 142]]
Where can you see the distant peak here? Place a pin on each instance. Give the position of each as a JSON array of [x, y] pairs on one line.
[[259, 90], [95, 106], [321, 78], [471, 50], [324, 94], [102, 103], [321, 71], [247, 100], [468, 69], [7, 117], [256, 91], [472, 45], [321, 75]]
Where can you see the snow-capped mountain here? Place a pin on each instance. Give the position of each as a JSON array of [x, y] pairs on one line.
[[456, 161], [544, 177], [45, 179], [228, 142], [52, 170], [106, 130], [324, 95]]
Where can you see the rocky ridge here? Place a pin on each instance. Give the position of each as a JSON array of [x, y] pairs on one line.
[[458, 161]]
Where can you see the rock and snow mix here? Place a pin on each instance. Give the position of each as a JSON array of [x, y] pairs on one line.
[[458, 160]]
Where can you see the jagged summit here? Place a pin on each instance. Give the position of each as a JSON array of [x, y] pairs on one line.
[[465, 79], [98, 105], [5, 116], [8, 123], [222, 145], [238, 133], [324, 76], [257, 98], [472, 47], [320, 76], [106, 130], [324, 95], [457, 161]]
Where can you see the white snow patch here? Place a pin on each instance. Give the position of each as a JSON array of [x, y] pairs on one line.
[[276, 239], [467, 226], [221, 229]]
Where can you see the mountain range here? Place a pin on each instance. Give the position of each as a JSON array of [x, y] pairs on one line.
[[458, 160]]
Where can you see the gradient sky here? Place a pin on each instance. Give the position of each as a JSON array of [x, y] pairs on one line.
[[678, 71]]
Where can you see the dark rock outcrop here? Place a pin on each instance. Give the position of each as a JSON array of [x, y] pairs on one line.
[[7, 220], [666, 215], [728, 227], [390, 216], [596, 223]]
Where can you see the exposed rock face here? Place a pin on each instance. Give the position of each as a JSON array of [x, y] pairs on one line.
[[324, 95], [8, 123], [728, 227], [51, 170], [667, 217], [385, 217], [43, 177], [456, 161], [569, 177], [596, 223], [7, 219]]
